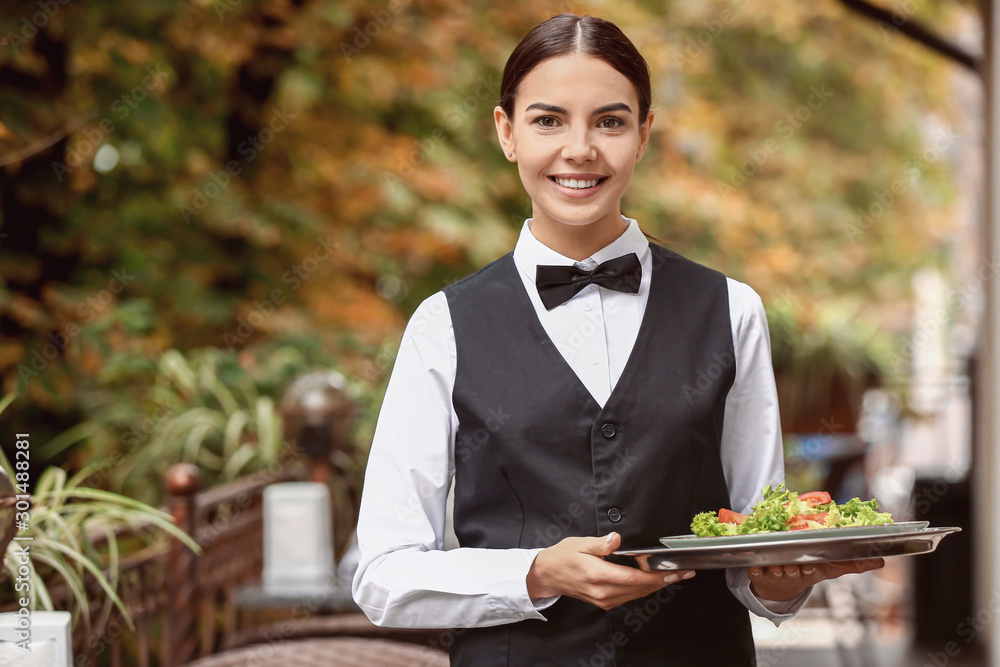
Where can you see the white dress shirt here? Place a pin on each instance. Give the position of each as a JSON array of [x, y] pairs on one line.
[[404, 578]]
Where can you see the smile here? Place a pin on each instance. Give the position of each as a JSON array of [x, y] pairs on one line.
[[578, 184]]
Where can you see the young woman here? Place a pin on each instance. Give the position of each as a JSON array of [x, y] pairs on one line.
[[588, 391]]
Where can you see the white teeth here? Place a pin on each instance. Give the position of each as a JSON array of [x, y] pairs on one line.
[[575, 184]]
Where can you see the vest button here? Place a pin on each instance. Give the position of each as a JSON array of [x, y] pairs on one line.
[[614, 515], [608, 430]]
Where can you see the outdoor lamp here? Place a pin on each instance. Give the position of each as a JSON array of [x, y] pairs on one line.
[[317, 415]]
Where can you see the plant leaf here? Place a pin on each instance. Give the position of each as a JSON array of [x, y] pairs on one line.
[[67, 439]]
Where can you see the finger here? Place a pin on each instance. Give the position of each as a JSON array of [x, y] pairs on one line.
[[776, 570], [604, 573], [600, 546], [610, 594], [871, 564], [853, 567], [679, 575], [791, 570]]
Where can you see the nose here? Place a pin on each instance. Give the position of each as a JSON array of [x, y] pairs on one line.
[[579, 145]]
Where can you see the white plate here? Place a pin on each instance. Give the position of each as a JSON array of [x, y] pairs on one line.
[[780, 536]]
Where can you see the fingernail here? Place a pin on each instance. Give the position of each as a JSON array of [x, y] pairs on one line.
[[607, 540], [808, 571], [688, 575], [670, 578], [755, 571]]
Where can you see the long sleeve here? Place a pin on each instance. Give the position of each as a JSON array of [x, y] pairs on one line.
[[404, 579], [751, 436]]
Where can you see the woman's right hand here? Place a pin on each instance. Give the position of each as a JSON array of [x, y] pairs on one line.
[[576, 567]]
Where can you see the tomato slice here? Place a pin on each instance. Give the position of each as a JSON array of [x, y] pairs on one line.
[[729, 516], [815, 498], [803, 521]]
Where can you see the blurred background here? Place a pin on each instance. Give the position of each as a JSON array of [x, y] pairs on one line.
[[203, 200]]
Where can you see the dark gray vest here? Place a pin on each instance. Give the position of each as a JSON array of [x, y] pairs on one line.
[[537, 460]]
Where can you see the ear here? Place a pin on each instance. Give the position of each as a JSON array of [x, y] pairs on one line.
[[644, 130], [505, 133]]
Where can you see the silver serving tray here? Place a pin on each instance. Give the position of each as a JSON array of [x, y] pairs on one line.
[[875, 543]]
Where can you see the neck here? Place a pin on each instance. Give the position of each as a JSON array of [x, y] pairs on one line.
[[577, 242]]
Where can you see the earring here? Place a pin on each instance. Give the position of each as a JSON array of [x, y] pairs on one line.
[[509, 153]]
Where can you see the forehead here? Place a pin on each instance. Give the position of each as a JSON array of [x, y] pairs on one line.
[[575, 81]]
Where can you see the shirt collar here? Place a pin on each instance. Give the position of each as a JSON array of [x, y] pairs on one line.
[[529, 252]]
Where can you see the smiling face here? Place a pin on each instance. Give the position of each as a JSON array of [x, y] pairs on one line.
[[576, 138]]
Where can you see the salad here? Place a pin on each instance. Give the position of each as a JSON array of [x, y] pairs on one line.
[[782, 509]]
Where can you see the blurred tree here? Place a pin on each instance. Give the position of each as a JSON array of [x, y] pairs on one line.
[[189, 173]]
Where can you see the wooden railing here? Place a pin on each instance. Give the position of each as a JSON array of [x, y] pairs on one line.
[[182, 604]]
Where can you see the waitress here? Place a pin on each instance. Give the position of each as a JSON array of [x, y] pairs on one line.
[[588, 391]]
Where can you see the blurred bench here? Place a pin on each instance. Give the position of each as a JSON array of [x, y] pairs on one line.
[[333, 652]]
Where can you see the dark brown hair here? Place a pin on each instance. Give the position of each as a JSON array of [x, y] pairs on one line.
[[568, 34]]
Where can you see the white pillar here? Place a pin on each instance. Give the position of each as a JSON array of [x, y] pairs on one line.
[[986, 477]]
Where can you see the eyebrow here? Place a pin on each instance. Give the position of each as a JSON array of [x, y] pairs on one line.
[[617, 106]]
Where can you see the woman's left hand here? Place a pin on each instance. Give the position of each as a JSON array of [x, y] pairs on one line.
[[786, 582]]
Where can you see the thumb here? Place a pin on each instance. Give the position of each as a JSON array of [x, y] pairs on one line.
[[604, 545]]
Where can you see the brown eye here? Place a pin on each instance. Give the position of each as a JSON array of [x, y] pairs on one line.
[[615, 123], [546, 121]]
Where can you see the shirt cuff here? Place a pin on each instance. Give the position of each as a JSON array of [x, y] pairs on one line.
[[534, 604], [773, 610]]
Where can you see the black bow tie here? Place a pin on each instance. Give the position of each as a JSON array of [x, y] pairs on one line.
[[559, 284]]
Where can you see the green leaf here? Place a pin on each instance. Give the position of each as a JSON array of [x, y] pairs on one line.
[[93, 570], [67, 439], [72, 579]]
